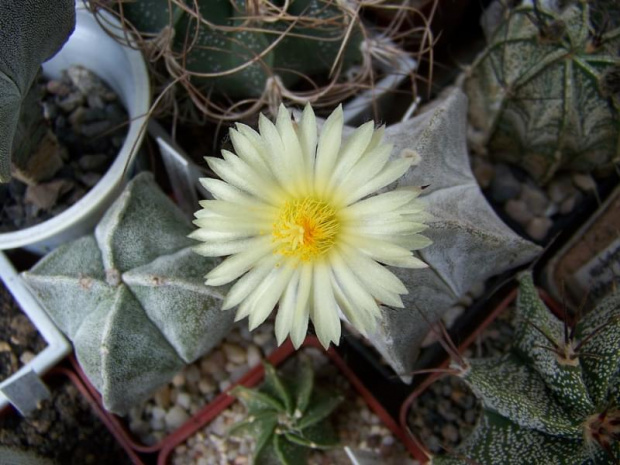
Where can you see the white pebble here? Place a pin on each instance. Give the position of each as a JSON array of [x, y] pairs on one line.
[[158, 424], [254, 356], [184, 400], [158, 413], [175, 417], [225, 384]]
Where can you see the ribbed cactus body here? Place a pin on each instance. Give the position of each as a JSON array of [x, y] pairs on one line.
[[229, 38], [287, 416], [131, 297], [554, 397], [543, 93]]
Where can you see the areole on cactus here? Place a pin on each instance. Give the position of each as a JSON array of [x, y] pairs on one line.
[[555, 397], [545, 93]]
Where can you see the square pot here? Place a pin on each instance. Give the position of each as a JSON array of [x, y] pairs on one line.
[[282, 354]]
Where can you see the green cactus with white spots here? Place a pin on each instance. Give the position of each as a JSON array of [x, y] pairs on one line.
[[545, 93], [245, 45], [555, 397], [287, 417]]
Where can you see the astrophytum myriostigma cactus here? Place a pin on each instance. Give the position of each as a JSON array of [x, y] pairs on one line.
[[545, 93], [287, 417], [470, 243], [132, 297], [555, 398]]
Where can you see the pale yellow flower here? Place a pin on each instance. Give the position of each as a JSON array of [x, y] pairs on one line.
[[295, 213]]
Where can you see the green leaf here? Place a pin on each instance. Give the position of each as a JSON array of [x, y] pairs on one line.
[[261, 426], [321, 405], [31, 31], [275, 388], [267, 455], [304, 383], [496, 440], [318, 436], [288, 452], [256, 401], [603, 323], [511, 388], [538, 331]]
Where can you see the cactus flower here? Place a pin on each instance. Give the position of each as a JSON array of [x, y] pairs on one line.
[[295, 214]]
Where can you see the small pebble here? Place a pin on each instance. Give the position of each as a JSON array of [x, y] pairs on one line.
[[518, 211], [254, 356], [584, 182], [535, 199], [175, 417], [505, 185], [234, 353], [538, 228]]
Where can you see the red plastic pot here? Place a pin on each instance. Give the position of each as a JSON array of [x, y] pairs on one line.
[[419, 450], [255, 376], [119, 426]]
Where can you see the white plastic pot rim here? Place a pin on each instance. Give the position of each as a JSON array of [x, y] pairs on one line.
[[57, 345]]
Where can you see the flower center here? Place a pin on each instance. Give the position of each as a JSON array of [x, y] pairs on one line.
[[305, 228]]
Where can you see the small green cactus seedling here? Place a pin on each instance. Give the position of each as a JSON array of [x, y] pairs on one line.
[[555, 397], [287, 417], [545, 92], [131, 296]]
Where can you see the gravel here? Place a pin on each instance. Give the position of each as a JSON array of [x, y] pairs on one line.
[[447, 411], [357, 426], [19, 339], [200, 382], [90, 125]]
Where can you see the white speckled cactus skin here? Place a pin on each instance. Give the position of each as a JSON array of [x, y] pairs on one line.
[[554, 399], [132, 297], [545, 92]]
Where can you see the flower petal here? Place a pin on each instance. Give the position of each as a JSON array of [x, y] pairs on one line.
[[286, 309], [249, 281], [327, 150], [352, 151], [307, 138], [238, 264], [302, 306], [390, 173], [222, 248], [324, 307], [270, 291]]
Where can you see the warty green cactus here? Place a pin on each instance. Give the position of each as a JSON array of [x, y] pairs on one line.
[[545, 93], [287, 417], [131, 297], [555, 398]]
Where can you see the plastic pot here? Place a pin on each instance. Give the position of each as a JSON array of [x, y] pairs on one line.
[[419, 449], [124, 70], [255, 376], [24, 388]]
